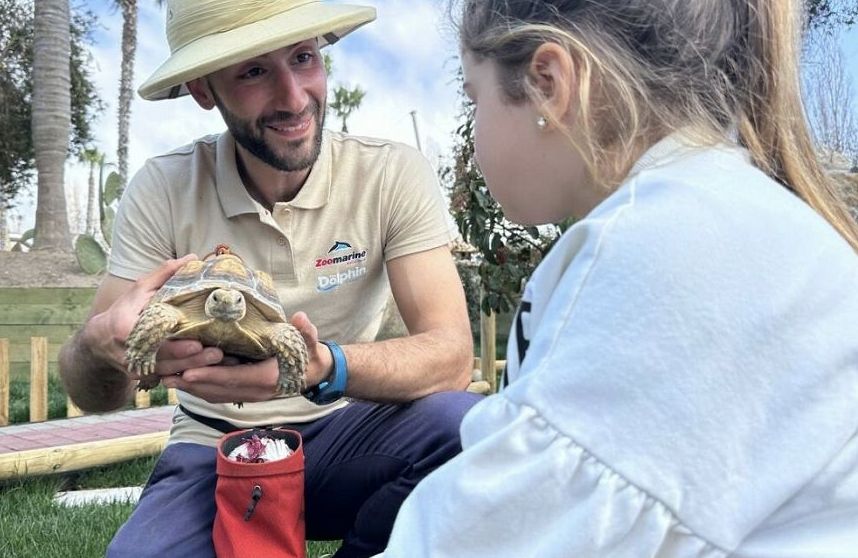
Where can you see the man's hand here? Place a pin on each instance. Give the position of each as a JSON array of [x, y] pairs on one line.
[[105, 333], [223, 379], [92, 362], [320, 363]]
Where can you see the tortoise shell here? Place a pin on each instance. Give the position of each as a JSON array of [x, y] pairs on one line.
[[222, 269]]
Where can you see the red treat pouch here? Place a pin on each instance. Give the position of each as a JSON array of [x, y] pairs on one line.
[[260, 495]]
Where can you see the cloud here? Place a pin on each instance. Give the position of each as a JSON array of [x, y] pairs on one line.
[[405, 61]]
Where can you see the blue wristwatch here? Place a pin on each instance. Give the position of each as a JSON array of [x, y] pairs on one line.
[[334, 387]]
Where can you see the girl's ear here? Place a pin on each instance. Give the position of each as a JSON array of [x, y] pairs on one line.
[[552, 71], [201, 92]]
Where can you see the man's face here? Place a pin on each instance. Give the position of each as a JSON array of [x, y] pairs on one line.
[[274, 104]]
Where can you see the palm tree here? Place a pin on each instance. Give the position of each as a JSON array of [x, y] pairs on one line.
[[345, 102], [51, 120], [126, 82], [94, 158], [4, 227]]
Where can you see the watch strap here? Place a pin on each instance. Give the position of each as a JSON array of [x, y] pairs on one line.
[[334, 386]]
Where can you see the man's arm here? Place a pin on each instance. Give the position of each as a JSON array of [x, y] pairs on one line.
[[437, 354], [92, 362]]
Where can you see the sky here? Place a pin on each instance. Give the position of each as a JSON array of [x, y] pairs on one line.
[[406, 61]]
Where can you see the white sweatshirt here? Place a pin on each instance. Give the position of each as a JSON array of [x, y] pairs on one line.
[[689, 385]]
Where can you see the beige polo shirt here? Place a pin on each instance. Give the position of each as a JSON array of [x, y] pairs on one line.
[[365, 202]]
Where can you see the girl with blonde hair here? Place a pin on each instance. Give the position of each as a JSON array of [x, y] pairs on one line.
[[683, 370]]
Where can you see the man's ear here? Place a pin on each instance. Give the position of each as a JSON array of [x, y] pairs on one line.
[[201, 92], [552, 71]]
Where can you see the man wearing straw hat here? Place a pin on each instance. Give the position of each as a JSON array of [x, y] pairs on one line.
[[339, 222]]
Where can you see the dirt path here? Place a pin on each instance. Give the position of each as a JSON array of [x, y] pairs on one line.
[[34, 269]]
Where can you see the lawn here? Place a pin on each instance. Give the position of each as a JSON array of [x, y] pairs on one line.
[[19, 398], [32, 525]]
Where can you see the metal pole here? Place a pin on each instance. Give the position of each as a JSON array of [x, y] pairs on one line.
[[416, 131]]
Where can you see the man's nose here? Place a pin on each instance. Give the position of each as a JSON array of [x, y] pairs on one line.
[[291, 95]]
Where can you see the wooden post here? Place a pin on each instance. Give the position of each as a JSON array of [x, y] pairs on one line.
[[38, 379], [72, 410], [172, 398], [488, 354], [142, 399], [4, 382]]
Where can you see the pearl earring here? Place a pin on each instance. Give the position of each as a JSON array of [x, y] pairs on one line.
[[542, 122]]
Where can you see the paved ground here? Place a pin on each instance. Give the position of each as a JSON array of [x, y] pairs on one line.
[[88, 428]]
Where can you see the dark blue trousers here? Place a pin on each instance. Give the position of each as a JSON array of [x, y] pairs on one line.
[[360, 464]]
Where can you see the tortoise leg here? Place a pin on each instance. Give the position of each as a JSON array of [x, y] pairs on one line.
[[291, 353], [154, 324]]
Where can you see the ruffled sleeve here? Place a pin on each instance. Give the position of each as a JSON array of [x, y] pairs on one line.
[[525, 489]]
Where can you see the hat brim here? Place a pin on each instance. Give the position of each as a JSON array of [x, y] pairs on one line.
[[328, 22]]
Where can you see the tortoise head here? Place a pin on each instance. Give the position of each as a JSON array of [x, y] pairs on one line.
[[227, 305]]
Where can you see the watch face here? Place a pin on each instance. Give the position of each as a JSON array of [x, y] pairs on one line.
[[323, 393], [328, 397]]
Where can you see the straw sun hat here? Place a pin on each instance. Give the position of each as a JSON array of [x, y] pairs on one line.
[[208, 35]]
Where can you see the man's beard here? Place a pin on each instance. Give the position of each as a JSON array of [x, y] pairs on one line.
[[251, 136]]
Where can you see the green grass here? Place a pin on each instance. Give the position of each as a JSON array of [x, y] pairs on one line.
[[32, 525], [19, 399]]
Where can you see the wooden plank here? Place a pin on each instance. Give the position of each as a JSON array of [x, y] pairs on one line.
[[59, 296], [19, 333], [43, 314], [72, 410], [20, 352], [39, 380], [482, 386], [4, 382], [488, 354], [142, 399], [75, 457]]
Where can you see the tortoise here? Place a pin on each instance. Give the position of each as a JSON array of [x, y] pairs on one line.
[[223, 303]]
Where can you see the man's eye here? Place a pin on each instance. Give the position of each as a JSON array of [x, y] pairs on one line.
[[252, 73], [305, 57]]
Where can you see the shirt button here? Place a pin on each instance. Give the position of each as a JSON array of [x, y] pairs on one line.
[[281, 241]]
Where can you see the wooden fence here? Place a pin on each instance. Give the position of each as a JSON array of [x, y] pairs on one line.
[[52, 313], [39, 371]]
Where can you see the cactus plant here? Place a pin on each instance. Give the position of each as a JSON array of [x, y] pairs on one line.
[[91, 257], [25, 242], [90, 251]]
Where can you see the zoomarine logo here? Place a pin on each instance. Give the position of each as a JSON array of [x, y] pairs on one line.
[[347, 258], [339, 245], [330, 282], [338, 248]]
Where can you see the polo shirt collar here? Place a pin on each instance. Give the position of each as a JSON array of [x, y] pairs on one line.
[[317, 189], [234, 198]]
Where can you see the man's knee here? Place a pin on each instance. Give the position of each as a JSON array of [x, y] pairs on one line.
[[442, 413]]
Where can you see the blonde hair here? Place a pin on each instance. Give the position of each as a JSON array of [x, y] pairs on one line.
[[645, 68]]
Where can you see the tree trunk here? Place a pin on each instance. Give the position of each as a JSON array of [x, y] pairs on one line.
[[4, 228], [126, 83], [51, 121], [92, 201]]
